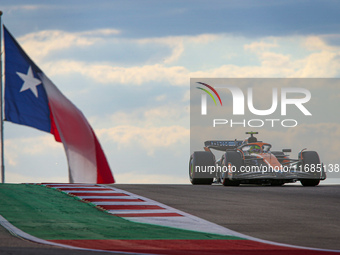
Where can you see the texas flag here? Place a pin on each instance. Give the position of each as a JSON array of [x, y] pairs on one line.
[[31, 99]]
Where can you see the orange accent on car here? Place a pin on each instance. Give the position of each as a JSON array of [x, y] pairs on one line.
[[241, 153], [229, 169], [259, 144], [271, 160], [286, 160]]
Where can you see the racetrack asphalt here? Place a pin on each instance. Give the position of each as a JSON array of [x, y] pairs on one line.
[[292, 214]]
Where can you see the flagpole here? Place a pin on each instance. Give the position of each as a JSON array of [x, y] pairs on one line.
[[1, 111]]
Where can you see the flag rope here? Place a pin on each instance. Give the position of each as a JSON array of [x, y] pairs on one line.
[[1, 110]]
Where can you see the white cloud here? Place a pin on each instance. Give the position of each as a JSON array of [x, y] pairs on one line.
[[108, 74], [164, 115], [11, 9], [317, 43], [272, 59], [42, 43], [260, 46], [15, 148], [150, 138], [100, 32], [320, 64], [178, 44], [161, 98], [38, 45], [325, 64], [322, 60], [186, 96]]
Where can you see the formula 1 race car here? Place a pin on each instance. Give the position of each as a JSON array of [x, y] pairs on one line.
[[251, 162]]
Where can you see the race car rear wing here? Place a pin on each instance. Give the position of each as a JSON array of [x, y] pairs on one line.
[[223, 145]]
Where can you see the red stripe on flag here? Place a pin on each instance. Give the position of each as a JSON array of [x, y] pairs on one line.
[[104, 174], [54, 131], [148, 215], [131, 207]]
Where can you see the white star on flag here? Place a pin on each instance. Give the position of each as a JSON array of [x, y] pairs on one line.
[[29, 82]]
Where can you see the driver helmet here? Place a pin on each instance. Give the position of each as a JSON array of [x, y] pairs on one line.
[[255, 149]]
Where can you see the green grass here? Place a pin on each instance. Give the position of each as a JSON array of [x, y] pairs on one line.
[[52, 215]]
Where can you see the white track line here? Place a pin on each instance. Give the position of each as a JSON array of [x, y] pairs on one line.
[[101, 197], [76, 187], [91, 191], [124, 203], [116, 197], [140, 211]]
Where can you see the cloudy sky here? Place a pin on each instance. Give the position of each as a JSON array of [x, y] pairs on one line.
[[127, 65]]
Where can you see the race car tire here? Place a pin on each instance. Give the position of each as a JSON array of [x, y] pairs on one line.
[[232, 161], [203, 159], [277, 183], [310, 182], [310, 158]]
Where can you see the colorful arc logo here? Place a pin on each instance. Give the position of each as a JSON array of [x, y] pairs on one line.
[[204, 98]]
